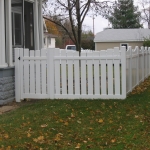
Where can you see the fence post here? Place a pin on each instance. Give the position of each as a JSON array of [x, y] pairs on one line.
[[142, 50], [137, 65], [17, 75], [123, 71], [148, 61], [50, 72], [130, 69], [145, 61]]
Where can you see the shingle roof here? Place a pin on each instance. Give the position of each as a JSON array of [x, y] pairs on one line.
[[117, 35]]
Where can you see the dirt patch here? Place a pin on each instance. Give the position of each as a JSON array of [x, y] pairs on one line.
[[8, 107], [5, 109], [14, 105]]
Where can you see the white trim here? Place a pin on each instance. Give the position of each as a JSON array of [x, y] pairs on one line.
[[2, 35], [36, 25], [8, 26], [41, 43]]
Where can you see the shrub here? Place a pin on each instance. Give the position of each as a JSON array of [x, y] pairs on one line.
[[146, 42]]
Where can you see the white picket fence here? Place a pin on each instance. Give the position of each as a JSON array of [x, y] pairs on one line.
[[138, 66], [61, 74]]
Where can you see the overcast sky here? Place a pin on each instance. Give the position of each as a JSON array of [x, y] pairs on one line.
[[99, 22]]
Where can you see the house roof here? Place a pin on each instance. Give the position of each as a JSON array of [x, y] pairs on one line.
[[119, 35], [50, 35]]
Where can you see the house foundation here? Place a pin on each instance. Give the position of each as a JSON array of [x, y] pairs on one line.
[[7, 85]]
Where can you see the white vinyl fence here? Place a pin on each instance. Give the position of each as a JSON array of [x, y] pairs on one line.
[[60, 74]]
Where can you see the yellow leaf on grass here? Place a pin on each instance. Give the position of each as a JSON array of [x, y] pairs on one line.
[[6, 136], [61, 120], [8, 148], [66, 123], [44, 125], [113, 140], [78, 146], [79, 121], [100, 121], [72, 115], [84, 141], [40, 139], [28, 135], [58, 137]]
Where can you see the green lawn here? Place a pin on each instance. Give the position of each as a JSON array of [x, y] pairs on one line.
[[79, 124]]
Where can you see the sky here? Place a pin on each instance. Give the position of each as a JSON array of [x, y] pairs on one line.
[[99, 22]]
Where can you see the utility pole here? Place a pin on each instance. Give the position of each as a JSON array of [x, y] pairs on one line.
[[93, 24]]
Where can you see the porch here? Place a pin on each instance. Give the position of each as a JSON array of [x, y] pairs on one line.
[[21, 25]]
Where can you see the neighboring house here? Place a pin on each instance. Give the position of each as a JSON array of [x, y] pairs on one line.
[[21, 26], [111, 38], [49, 40]]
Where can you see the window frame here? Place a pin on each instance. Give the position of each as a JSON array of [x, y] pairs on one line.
[[13, 28], [121, 44]]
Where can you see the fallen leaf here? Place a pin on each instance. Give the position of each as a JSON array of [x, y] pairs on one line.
[[6, 136], [72, 115], [100, 121], [58, 137], [84, 141], [8, 148], [113, 140], [66, 123], [79, 121], [78, 146], [40, 139], [28, 135], [61, 120], [44, 125]]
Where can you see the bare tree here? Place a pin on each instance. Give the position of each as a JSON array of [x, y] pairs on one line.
[[145, 11], [75, 11]]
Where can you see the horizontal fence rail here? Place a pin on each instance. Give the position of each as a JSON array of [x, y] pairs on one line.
[[55, 73]]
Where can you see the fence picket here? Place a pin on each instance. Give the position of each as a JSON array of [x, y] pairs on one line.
[[63, 74], [90, 75], [110, 72], [57, 72], [103, 73], [43, 72], [70, 74], [32, 73], [96, 74], [83, 75], [77, 76], [116, 72], [37, 72], [26, 71], [21, 73]]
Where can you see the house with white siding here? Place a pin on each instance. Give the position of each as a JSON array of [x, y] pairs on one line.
[[21, 26]]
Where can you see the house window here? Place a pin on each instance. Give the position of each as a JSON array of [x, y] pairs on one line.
[[16, 23], [124, 44]]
